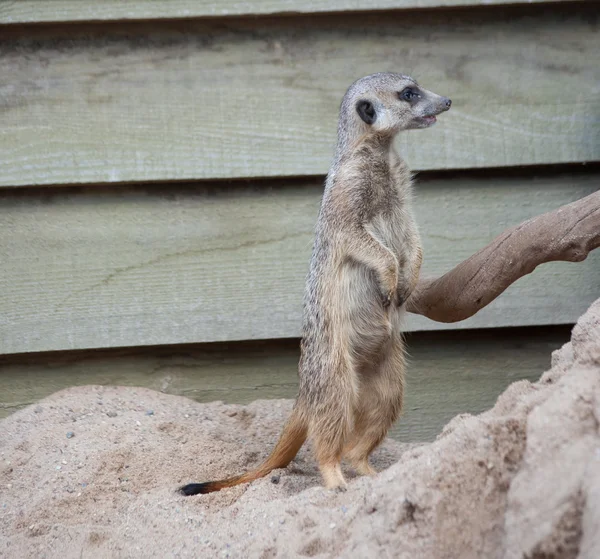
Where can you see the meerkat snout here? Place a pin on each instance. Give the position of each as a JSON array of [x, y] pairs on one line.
[[446, 103], [436, 107]]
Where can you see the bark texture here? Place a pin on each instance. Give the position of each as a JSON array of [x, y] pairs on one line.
[[568, 234]]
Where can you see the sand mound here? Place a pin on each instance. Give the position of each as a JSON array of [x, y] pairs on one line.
[[91, 472]]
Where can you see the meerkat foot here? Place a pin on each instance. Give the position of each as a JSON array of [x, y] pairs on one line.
[[333, 477], [363, 468], [337, 486]]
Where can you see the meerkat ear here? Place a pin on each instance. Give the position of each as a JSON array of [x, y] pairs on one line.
[[366, 111]]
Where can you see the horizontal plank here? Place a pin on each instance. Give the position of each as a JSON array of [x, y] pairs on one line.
[[133, 266], [190, 100], [465, 373], [53, 11]]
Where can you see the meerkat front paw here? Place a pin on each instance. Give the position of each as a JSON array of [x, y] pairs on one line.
[[386, 298], [388, 287], [402, 294]]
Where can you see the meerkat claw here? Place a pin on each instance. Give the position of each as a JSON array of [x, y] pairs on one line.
[[387, 300]]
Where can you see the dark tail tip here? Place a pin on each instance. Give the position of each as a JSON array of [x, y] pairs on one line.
[[198, 488]]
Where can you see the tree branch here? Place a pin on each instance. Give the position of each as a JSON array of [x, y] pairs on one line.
[[568, 234]]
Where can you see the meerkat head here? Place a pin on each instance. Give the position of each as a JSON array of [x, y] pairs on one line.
[[388, 102]]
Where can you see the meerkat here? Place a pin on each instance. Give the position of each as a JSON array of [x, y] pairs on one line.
[[365, 263]]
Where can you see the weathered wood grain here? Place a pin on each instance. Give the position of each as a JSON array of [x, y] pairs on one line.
[[465, 372], [132, 266], [249, 98], [45, 11]]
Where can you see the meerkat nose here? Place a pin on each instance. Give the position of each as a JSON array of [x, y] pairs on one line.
[[447, 102]]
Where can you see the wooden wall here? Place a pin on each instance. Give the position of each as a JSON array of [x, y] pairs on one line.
[[161, 166], [448, 374]]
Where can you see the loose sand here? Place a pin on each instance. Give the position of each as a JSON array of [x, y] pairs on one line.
[[91, 472]]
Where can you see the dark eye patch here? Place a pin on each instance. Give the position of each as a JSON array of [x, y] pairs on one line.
[[409, 94]]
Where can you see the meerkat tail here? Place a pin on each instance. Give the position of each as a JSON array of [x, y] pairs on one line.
[[290, 441]]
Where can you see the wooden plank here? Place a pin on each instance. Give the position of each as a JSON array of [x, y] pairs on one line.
[[249, 98], [131, 266], [51, 11], [465, 373]]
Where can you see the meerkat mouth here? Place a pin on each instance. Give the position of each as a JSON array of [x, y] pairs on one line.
[[429, 120]]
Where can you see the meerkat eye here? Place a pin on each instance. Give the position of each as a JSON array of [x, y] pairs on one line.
[[366, 111], [408, 94]]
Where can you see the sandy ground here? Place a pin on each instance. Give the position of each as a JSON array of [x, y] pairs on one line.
[[92, 472]]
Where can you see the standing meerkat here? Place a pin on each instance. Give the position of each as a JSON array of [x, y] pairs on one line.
[[365, 264]]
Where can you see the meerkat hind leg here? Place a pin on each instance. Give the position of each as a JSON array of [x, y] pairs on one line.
[[353, 451], [333, 476], [381, 398], [332, 424], [369, 433], [328, 451], [356, 457], [329, 438], [366, 443]]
